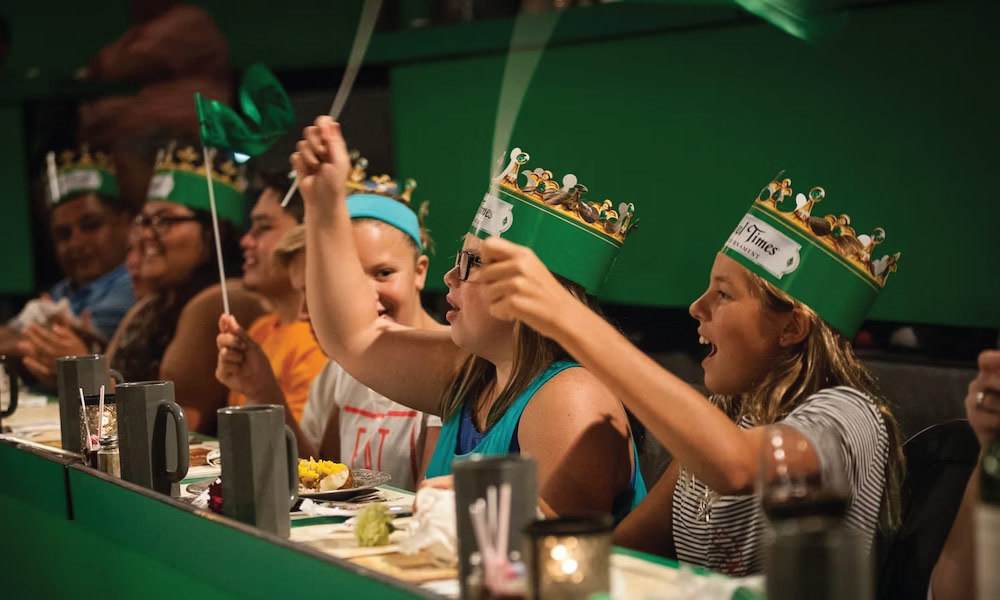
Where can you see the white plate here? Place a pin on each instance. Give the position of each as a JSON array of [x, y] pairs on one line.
[[364, 481]]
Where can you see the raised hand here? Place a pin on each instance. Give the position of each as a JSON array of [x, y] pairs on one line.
[[242, 365], [518, 286], [322, 163], [982, 403]]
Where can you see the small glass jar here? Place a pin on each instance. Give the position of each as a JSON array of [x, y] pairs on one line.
[[108, 458], [569, 557], [91, 420]]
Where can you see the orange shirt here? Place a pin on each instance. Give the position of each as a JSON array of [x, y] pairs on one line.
[[295, 358]]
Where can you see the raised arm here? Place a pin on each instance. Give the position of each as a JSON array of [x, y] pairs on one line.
[[410, 366], [699, 435]]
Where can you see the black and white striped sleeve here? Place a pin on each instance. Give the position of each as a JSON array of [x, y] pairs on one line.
[[849, 437]]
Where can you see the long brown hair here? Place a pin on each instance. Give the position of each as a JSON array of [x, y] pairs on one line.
[[533, 353], [823, 359]]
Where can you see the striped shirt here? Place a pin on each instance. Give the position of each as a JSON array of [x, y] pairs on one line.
[[724, 533]]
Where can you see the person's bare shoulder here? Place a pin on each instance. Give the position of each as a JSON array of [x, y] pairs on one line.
[[575, 400]]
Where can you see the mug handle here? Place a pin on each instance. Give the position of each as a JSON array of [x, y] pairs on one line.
[[12, 375], [181, 427], [292, 448]]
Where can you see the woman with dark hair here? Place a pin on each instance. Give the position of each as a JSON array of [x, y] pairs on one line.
[[171, 334]]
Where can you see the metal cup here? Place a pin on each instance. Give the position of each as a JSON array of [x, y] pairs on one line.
[[260, 482], [89, 372], [152, 436], [8, 383], [473, 475]]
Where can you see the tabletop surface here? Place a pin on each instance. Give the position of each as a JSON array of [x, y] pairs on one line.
[[634, 574]]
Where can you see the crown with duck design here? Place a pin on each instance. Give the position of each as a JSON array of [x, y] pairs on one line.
[[574, 237], [179, 176], [820, 261], [379, 198], [73, 172], [358, 181]]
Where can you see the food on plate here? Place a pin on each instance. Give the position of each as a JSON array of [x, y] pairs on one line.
[[324, 475], [198, 456]]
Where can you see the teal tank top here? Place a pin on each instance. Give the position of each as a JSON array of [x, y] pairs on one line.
[[499, 440]]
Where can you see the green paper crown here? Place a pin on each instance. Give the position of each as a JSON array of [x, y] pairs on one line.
[[179, 176], [575, 238], [820, 261], [76, 172], [358, 182]]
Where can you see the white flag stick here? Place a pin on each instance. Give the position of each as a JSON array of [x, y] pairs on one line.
[[215, 227], [528, 40], [369, 15]]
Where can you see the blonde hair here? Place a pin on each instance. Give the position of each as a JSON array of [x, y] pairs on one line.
[[293, 242], [533, 353], [823, 359]]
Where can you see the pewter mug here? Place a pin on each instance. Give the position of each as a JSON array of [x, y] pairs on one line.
[[260, 474], [152, 436]]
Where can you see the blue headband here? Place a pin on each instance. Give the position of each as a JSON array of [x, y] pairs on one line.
[[387, 210]]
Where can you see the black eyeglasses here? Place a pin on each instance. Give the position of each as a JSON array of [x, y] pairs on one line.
[[161, 224], [465, 261]]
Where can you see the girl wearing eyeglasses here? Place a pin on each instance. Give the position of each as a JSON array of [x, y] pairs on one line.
[[170, 335], [499, 387]]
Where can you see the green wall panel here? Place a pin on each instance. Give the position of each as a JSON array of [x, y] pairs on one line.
[[889, 116], [16, 261]]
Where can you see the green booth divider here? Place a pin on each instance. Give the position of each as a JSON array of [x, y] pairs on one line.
[[34, 479], [71, 530], [161, 538]]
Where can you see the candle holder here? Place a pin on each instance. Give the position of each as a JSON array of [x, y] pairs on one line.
[[569, 557]]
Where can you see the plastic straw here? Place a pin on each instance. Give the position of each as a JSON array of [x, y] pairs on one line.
[[504, 532], [476, 510], [86, 423], [100, 417], [491, 513]]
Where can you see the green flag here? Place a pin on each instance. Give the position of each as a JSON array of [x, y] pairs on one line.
[[266, 106]]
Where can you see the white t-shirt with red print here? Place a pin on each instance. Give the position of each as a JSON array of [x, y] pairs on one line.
[[375, 432]]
